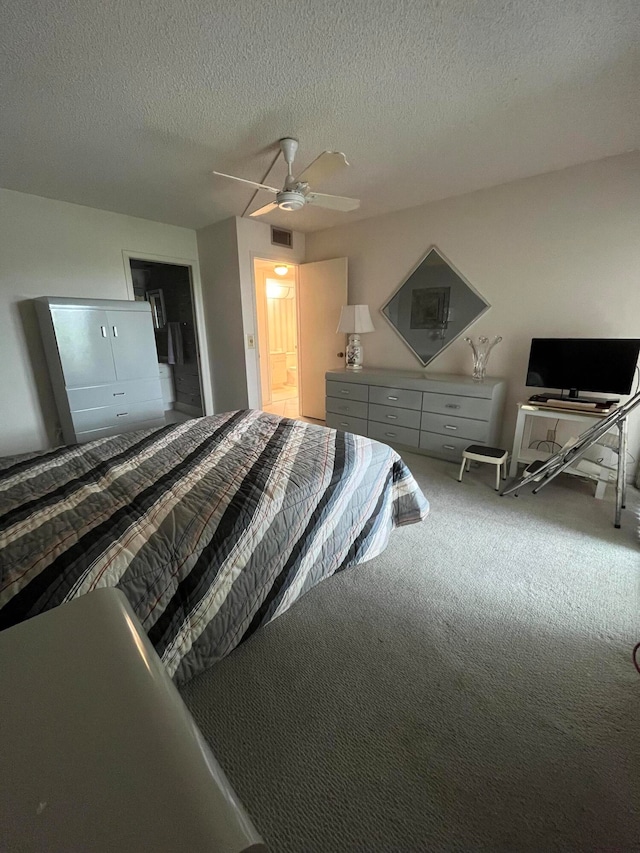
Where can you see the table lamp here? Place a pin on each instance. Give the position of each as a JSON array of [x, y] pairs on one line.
[[354, 321]]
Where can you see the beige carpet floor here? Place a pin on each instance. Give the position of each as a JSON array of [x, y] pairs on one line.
[[471, 689]]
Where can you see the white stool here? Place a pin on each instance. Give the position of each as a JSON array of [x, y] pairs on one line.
[[479, 453]]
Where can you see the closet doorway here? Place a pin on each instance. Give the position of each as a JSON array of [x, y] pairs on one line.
[[277, 323], [168, 287]]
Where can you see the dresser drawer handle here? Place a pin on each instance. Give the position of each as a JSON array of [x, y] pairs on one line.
[[119, 393], [390, 434], [392, 398], [342, 391], [392, 417], [448, 447], [344, 423], [452, 406], [448, 426], [121, 414]]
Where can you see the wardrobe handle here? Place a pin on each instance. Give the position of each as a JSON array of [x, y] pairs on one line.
[[103, 329], [115, 331], [448, 426]]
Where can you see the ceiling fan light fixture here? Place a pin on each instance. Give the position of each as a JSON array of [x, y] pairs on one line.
[[281, 269], [290, 200]]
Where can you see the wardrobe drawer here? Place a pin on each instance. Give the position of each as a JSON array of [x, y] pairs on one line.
[[394, 416], [462, 407], [120, 416], [347, 390], [92, 435], [347, 423], [394, 434], [399, 397], [356, 408], [189, 399], [461, 427], [111, 395], [187, 382], [444, 446]]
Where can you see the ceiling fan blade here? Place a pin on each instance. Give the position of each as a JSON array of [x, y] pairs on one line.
[[333, 202], [266, 209], [251, 183], [324, 165]]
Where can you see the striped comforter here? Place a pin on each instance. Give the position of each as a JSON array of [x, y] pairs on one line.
[[212, 528]]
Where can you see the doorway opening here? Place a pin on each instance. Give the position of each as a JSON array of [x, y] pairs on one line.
[[277, 325], [168, 288]]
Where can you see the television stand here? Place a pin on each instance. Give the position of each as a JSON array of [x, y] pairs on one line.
[[597, 402]]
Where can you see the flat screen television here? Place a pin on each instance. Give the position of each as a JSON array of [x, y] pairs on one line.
[[605, 365]]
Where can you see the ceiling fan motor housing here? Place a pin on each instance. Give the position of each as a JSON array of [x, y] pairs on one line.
[[290, 200]]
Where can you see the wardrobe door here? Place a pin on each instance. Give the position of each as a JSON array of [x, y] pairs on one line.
[[83, 340], [133, 343]]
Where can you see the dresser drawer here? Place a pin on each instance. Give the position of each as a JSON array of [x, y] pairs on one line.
[[92, 435], [461, 427], [462, 407], [120, 416], [393, 434], [187, 382], [446, 447], [110, 395], [189, 399], [347, 423], [347, 390], [393, 416], [399, 397], [356, 408]]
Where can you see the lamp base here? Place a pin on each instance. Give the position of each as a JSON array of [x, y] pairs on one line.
[[354, 353]]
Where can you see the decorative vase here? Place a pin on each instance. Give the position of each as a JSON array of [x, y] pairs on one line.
[[481, 352]]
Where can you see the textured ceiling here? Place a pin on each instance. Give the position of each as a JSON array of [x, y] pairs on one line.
[[128, 105]]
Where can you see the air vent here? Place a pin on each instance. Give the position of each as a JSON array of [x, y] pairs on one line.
[[281, 237]]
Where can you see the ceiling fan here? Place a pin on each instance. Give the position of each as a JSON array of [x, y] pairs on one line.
[[296, 192]]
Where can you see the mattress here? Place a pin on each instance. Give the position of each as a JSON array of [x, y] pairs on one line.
[[211, 528]]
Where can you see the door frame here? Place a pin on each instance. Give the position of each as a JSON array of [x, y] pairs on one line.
[[198, 310], [273, 257]]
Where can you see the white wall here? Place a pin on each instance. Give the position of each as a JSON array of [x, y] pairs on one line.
[[556, 255], [220, 273], [254, 241], [52, 248]]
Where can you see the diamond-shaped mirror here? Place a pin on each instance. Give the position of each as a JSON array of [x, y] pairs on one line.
[[433, 306]]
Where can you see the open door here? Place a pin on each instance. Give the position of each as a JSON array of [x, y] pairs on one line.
[[322, 291]]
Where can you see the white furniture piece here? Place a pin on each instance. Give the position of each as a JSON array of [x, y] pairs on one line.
[[167, 386], [491, 455], [585, 419], [99, 752], [103, 365], [355, 320], [438, 414]]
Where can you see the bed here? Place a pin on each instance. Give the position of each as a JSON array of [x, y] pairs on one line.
[[212, 528]]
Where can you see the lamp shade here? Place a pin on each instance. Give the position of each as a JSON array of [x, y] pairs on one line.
[[355, 318]]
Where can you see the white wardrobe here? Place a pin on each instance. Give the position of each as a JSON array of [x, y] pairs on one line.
[[103, 365]]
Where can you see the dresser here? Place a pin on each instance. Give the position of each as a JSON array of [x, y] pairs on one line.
[[438, 414], [103, 364]]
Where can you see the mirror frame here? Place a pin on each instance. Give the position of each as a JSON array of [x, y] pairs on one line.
[[406, 278]]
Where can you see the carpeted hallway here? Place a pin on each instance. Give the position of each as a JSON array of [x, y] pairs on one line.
[[470, 689]]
